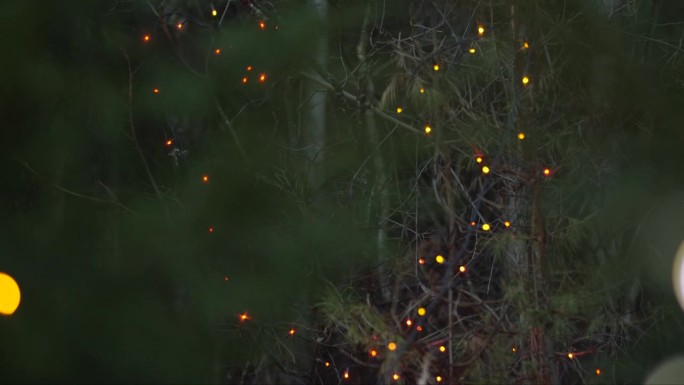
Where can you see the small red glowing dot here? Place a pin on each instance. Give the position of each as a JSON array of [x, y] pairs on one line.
[[225, 278], [217, 51], [421, 261], [146, 38], [262, 78], [244, 80], [262, 25], [419, 328], [211, 229], [156, 90]]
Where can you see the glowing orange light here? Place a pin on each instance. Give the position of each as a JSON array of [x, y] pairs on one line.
[[462, 269], [571, 356], [205, 178], [513, 349], [422, 90], [473, 223], [598, 372], [507, 224], [327, 364], [249, 68], [485, 170], [526, 45], [409, 322], [146, 38], [156, 90], [225, 278], [180, 25], [244, 80], [525, 80], [438, 378], [214, 13], [442, 348], [472, 50], [419, 328], [421, 261], [521, 135], [346, 374], [546, 171], [480, 30], [479, 159], [486, 227], [292, 331], [211, 229], [399, 110], [169, 142], [392, 346], [439, 259], [427, 130], [395, 377], [421, 311], [435, 67], [262, 25], [244, 317], [217, 51], [262, 78], [373, 353]]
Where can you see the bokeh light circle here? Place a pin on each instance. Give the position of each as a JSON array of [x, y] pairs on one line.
[[10, 295], [678, 275]]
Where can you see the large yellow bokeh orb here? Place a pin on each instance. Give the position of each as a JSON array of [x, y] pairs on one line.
[[678, 275], [10, 295]]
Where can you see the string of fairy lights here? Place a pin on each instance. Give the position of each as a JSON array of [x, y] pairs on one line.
[[416, 323]]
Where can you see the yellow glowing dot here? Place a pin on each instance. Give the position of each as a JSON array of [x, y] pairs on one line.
[[10, 295], [244, 80], [156, 90], [513, 349], [262, 78], [373, 353], [428, 130], [422, 90], [480, 30], [205, 178], [217, 51], [392, 346], [525, 80], [346, 375], [214, 13], [146, 38], [571, 356], [399, 110], [521, 135], [479, 159], [409, 322], [435, 67], [546, 171], [244, 317], [421, 261], [292, 331], [526, 45], [507, 224], [486, 227], [421, 311], [472, 50], [327, 364], [439, 259], [438, 378], [485, 170], [262, 25], [598, 372], [442, 348], [395, 377], [462, 269]]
